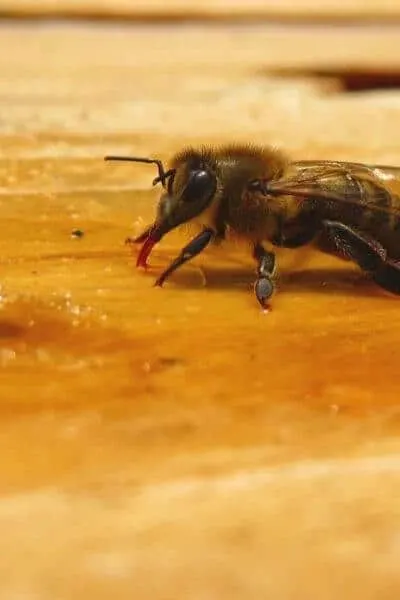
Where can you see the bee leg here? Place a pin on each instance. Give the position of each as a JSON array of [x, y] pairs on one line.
[[191, 250], [264, 286], [353, 245], [369, 254]]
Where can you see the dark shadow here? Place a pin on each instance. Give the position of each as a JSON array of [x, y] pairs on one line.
[[343, 282], [354, 80], [350, 79]]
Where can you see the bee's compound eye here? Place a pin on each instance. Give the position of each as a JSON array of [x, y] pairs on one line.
[[201, 184]]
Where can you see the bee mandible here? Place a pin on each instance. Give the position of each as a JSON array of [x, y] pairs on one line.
[[348, 209]]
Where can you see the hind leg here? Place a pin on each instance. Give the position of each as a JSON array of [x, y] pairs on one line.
[[366, 252], [388, 276]]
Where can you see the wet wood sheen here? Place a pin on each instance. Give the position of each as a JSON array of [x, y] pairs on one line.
[[179, 443]]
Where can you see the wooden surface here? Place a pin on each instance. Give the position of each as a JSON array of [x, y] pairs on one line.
[[179, 443], [284, 10]]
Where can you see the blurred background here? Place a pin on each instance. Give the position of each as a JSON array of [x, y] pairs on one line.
[[285, 9]]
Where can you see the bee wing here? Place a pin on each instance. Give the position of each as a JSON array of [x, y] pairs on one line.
[[336, 181], [347, 166]]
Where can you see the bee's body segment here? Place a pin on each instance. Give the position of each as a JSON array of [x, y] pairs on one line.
[[349, 209]]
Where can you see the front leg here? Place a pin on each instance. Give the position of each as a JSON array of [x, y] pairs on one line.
[[192, 249], [264, 286]]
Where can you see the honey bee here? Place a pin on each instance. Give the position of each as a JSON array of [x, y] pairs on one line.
[[349, 209]]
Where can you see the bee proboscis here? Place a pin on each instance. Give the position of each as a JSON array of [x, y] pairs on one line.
[[346, 208]]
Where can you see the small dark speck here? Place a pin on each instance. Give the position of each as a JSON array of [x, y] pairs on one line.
[[170, 361], [77, 233], [9, 329]]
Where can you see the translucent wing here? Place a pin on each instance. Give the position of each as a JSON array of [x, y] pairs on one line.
[[395, 171], [374, 186]]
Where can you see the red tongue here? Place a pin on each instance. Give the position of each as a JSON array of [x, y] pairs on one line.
[[152, 238]]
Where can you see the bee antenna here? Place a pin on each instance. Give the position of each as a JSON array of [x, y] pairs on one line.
[[162, 174]]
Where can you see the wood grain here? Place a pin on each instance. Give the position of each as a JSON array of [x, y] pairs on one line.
[[284, 10], [177, 442]]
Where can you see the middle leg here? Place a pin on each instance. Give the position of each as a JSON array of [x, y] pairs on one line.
[[264, 286]]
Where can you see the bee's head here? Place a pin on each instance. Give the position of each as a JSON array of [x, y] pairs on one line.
[[189, 186]]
